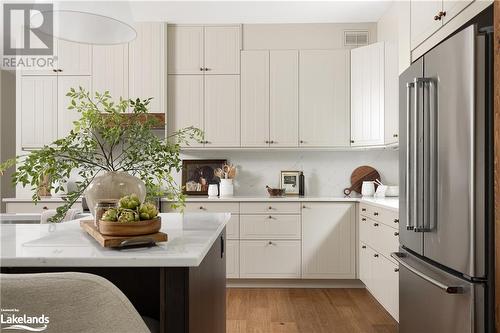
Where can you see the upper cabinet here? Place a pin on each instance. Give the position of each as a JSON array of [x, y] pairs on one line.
[[255, 98], [427, 17], [68, 59], [204, 49], [284, 98], [110, 70], [147, 63], [324, 98], [185, 50], [374, 94]]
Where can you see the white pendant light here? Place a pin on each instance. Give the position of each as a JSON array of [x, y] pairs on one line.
[[92, 22]]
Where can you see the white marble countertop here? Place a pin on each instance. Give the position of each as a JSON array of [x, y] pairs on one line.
[[190, 237], [388, 202]]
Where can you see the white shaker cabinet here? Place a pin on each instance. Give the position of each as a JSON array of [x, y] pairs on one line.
[[328, 240], [367, 95], [222, 111], [146, 56], [185, 103], [74, 58], [324, 98], [284, 98], [110, 70], [374, 95], [38, 105], [255, 98], [204, 49], [222, 49], [452, 8], [66, 117], [422, 20], [185, 49]]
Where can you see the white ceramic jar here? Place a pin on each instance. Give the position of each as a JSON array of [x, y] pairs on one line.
[[226, 188], [368, 189]]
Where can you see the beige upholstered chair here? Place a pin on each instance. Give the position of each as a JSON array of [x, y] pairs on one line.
[[74, 302]]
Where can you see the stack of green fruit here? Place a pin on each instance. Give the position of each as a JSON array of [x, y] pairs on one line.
[[130, 210]]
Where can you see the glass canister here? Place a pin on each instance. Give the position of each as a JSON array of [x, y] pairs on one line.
[[101, 207]]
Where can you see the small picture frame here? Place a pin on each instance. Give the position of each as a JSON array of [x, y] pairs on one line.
[[198, 174], [290, 182]]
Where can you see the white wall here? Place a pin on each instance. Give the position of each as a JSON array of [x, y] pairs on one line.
[[394, 26], [326, 173], [301, 36]]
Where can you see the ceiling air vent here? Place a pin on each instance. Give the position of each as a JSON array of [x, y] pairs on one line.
[[355, 38]]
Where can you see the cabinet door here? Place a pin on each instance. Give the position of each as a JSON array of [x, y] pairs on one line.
[[453, 7], [284, 98], [222, 50], [232, 259], [222, 110], [146, 56], [65, 117], [328, 240], [367, 95], [386, 284], [324, 98], [269, 259], [47, 67], [38, 111], [185, 103], [110, 70], [422, 20], [255, 98], [74, 58], [185, 50], [364, 264], [391, 93]]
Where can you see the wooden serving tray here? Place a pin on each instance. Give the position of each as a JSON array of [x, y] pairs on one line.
[[122, 241]]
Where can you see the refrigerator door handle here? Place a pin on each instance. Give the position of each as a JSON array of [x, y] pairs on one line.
[[409, 206], [398, 256]]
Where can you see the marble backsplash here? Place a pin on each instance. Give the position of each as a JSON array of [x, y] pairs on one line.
[[326, 173]]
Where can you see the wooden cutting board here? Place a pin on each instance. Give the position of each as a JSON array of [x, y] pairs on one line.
[[359, 175], [122, 241]]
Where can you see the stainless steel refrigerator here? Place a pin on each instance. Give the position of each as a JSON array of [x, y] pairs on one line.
[[446, 203]]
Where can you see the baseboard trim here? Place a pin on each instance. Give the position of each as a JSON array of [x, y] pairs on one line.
[[292, 283]]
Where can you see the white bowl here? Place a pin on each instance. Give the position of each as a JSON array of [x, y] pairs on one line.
[[392, 191]]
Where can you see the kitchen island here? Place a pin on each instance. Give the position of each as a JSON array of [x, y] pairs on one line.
[[181, 283]]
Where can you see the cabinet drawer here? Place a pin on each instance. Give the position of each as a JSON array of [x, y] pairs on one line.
[[233, 227], [212, 207], [386, 216], [270, 227], [270, 208], [364, 229], [232, 259], [386, 240], [269, 259], [31, 208]]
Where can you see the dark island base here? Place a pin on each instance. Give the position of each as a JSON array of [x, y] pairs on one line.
[[182, 299]]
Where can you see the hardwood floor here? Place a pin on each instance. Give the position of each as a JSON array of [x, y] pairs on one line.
[[305, 311]]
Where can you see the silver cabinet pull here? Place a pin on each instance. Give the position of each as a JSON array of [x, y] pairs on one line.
[[398, 256]]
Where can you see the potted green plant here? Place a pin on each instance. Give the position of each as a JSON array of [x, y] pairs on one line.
[[114, 150]]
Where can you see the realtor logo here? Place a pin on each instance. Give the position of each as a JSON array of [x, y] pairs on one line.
[[11, 319], [23, 24]]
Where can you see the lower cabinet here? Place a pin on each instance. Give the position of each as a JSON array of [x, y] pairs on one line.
[[232, 258], [379, 237], [270, 258], [328, 240]]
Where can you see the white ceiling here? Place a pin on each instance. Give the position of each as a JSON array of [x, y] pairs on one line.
[[259, 11]]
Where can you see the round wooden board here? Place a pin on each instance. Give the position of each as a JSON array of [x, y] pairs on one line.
[[359, 175]]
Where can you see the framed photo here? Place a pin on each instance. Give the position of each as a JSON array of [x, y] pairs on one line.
[[198, 174], [290, 182]]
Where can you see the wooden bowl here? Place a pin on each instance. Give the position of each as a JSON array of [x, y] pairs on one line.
[[130, 228], [275, 192]]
